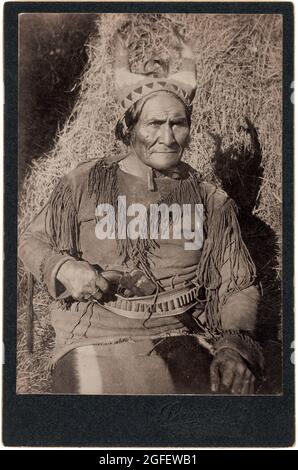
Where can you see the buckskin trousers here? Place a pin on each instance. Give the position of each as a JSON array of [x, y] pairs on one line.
[[171, 365]]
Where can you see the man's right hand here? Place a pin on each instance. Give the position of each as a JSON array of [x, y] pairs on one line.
[[81, 280]]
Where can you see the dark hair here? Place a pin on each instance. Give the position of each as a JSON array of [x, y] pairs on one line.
[[125, 125]]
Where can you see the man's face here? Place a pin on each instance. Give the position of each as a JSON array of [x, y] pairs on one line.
[[162, 132]]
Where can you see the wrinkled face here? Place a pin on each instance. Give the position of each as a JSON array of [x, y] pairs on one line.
[[162, 132]]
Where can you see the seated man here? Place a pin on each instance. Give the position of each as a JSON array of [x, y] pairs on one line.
[[149, 313]]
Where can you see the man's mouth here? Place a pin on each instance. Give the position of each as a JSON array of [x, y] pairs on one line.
[[165, 151]]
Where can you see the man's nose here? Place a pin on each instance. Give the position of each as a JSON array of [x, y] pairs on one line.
[[166, 135]]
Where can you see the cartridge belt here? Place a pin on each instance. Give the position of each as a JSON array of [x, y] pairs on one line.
[[164, 304]]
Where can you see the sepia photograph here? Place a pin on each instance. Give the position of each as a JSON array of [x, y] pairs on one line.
[[150, 204]]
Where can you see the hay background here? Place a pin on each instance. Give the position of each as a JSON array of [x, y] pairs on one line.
[[239, 60]]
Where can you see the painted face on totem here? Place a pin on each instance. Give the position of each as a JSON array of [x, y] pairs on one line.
[[162, 132]]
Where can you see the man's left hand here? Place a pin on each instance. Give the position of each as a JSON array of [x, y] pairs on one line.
[[229, 372]]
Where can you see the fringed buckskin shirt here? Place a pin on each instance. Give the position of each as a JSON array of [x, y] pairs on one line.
[[65, 229]]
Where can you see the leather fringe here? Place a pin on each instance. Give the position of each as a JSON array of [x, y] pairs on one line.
[[103, 183], [62, 221], [223, 242]]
